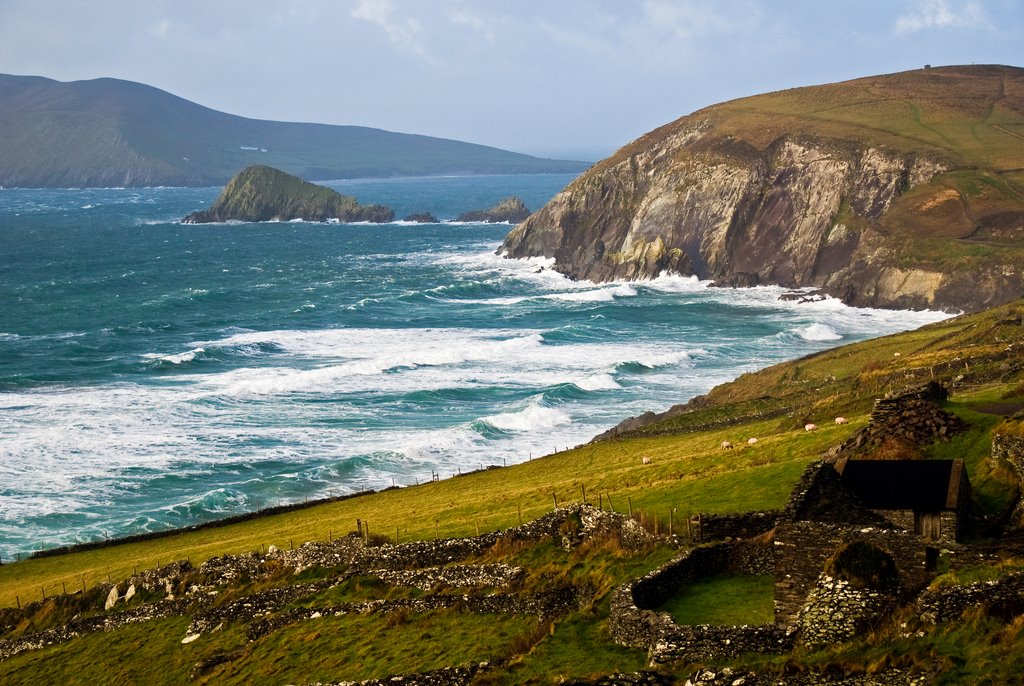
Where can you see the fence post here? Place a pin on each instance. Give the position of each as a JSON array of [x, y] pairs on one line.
[[629, 504], [554, 496], [670, 520], [611, 508]]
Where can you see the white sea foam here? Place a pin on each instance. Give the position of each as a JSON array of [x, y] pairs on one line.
[[666, 359], [598, 382], [532, 418], [818, 332], [598, 295], [675, 283], [179, 358]]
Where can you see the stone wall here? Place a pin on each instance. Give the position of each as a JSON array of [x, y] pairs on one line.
[[184, 589], [634, 621], [802, 548], [719, 527], [1003, 598], [836, 611], [1009, 451], [911, 414]]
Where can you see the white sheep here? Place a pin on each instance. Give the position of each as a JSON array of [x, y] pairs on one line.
[[810, 427], [751, 441], [841, 420], [726, 445], [645, 459]]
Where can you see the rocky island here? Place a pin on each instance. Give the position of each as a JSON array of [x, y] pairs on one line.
[[420, 218], [260, 193], [511, 210], [903, 191]]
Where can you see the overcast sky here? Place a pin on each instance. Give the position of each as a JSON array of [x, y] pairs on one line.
[[569, 78]]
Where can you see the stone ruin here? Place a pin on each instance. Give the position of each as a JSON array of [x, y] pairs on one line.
[[911, 414], [184, 589]]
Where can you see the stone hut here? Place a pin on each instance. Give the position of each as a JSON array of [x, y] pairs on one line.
[[900, 507], [928, 497]]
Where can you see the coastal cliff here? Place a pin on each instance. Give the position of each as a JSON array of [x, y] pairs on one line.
[[901, 191], [260, 193]]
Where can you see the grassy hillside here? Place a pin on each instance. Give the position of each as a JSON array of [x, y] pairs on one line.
[[686, 472], [969, 118], [108, 132]]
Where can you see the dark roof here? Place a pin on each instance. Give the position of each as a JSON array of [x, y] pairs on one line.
[[920, 485]]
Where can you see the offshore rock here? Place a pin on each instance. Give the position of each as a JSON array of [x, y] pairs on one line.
[[810, 188], [260, 193], [421, 218], [511, 210]]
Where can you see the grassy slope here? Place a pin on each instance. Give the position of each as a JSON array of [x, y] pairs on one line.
[[689, 472]]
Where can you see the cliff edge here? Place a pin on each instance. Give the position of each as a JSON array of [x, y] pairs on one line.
[[904, 190], [260, 193]]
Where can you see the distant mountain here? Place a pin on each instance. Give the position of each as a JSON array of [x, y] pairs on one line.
[[903, 190], [109, 132]]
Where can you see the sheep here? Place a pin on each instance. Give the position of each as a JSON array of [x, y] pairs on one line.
[[645, 459], [751, 441], [810, 427], [841, 420], [726, 445]]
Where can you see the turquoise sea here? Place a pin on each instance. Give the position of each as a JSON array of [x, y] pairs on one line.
[[155, 375]]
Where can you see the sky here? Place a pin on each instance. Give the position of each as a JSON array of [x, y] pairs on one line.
[[560, 78]]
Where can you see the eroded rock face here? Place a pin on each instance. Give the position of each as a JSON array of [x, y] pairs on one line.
[[804, 205], [768, 218]]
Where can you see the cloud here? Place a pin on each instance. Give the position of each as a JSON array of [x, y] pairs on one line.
[[473, 21], [939, 14], [403, 32], [689, 20]]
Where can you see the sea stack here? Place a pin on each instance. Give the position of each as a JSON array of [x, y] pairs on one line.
[[260, 193], [511, 210]]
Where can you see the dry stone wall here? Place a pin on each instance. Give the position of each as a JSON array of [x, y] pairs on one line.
[[1003, 597], [635, 622], [836, 611], [911, 414], [803, 547], [720, 527]]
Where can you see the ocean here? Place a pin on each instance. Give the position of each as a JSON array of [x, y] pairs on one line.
[[156, 375]]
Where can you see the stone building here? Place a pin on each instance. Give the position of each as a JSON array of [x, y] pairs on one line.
[[928, 497], [903, 508]]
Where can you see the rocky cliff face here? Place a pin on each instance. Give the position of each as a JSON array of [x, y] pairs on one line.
[[260, 193], [861, 220]]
